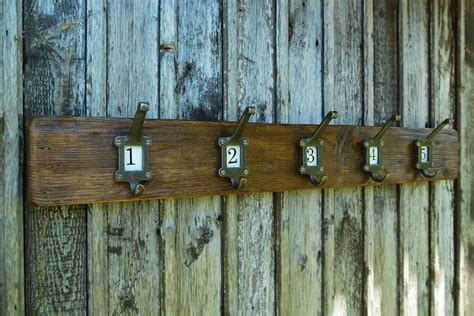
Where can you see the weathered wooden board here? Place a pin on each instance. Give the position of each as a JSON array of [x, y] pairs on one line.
[[12, 285], [414, 100], [442, 193], [464, 219], [299, 100], [98, 249], [190, 77], [381, 203], [73, 160], [343, 274], [53, 84], [124, 265], [249, 77]]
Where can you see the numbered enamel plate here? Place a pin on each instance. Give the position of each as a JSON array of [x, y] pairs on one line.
[[311, 163], [233, 155], [425, 154], [133, 164], [374, 155]]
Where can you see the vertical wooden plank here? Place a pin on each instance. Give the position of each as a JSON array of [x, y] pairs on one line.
[[11, 171], [299, 213], [191, 88], [96, 105], [343, 91], [442, 192], [124, 242], [55, 239], [465, 184], [249, 81], [414, 204], [381, 210]]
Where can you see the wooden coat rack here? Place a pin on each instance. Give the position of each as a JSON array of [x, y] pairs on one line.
[[73, 160]]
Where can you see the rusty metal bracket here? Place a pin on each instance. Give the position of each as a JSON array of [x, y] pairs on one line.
[[424, 151], [133, 154], [372, 153], [311, 152], [233, 153]]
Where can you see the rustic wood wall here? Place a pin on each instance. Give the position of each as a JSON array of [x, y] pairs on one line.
[[385, 250]]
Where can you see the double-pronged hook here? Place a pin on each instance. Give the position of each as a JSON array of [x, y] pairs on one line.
[[372, 153], [312, 148], [424, 152], [233, 153]]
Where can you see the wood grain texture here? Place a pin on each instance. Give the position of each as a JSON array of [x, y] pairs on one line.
[[299, 100], [51, 156], [465, 185], [124, 265], [442, 194], [248, 64], [381, 203], [55, 238], [190, 77], [414, 201], [11, 171], [342, 218]]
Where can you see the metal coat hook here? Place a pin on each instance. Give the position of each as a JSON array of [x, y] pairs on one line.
[[133, 152], [312, 148], [424, 151], [233, 153], [372, 149]]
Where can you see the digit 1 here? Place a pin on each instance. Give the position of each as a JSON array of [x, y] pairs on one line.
[[131, 162]]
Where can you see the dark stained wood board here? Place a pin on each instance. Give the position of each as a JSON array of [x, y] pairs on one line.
[[72, 160]]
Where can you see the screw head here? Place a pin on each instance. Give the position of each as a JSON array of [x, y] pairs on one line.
[[222, 141], [144, 106], [302, 169], [148, 142], [246, 171], [366, 143], [148, 174], [382, 143], [418, 166], [245, 141], [321, 168], [303, 142], [366, 168], [321, 142], [118, 142], [119, 175], [222, 172]]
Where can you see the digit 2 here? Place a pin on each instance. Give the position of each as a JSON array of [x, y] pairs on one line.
[[233, 153]]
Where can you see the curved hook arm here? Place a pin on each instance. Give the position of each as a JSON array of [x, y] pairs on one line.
[[429, 175], [137, 188], [238, 184], [379, 179], [314, 180]]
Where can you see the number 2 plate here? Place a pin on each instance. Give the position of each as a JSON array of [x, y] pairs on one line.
[[233, 156]]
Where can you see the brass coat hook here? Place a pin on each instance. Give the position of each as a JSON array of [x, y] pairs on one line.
[[311, 152], [133, 154], [233, 153], [424, 151], [372, 153]]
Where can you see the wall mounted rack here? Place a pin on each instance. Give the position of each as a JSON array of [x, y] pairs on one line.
[[74, 160]]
